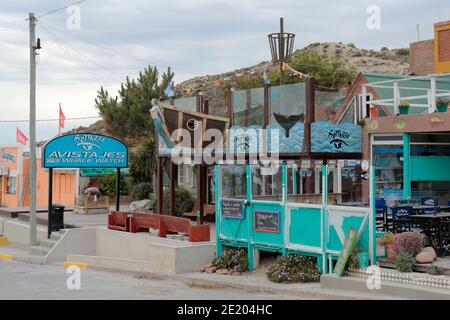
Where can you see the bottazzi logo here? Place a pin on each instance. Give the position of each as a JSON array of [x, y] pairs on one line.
[[338, 138]]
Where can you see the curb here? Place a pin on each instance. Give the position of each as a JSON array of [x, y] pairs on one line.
[[6, 257]]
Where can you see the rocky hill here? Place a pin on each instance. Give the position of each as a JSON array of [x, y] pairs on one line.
[[385, 60]]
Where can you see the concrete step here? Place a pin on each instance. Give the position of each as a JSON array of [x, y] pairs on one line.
[[30, 258], [48, 243], [39, 250]]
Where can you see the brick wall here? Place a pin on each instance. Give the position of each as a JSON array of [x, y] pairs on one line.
[[421, 59]]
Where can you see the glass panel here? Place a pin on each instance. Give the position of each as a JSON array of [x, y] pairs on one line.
[[233, 182], [248, 107], [267, 184], [326, 100], [388, 162], [218, 100], [434, 189], [187, 103], [345, 183], [350, 113], [287, 100], [304, 182]]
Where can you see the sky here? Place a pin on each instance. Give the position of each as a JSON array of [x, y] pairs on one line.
[[100, 42]]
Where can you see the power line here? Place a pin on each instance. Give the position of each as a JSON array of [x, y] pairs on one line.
[[118, 77], [112, 49], [60, 9], [48, 120], [75, 59], [12, 22]]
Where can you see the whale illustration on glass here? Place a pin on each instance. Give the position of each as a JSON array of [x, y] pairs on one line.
[[287, 122]]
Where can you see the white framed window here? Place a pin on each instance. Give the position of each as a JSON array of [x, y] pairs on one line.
[[363, 110]]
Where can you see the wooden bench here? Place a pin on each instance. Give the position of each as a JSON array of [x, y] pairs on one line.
[[140, 222], [209, 210], [118, 221]]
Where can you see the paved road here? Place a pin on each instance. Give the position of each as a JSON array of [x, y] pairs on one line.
[[26, 281]]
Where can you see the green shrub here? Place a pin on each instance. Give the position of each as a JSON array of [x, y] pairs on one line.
[[435, 271], [293, 268], [403, 52], [183, 201], [409, 243], [404, 262], [141, 191], [235, 259], [107, 185]]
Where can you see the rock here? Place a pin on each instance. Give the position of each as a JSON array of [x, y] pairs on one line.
[[210, 270], [222, 271], [209, 265], [201, 269], [140, 206], [426, 256], [428, 249]]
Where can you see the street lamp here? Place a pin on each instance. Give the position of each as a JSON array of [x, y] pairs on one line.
[[281, 47]]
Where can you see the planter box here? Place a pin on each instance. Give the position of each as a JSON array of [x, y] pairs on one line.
[[442, 107]]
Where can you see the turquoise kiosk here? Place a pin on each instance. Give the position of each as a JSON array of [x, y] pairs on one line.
[[289, 183]]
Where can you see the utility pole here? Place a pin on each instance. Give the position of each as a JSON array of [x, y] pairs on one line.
[[33, 47]]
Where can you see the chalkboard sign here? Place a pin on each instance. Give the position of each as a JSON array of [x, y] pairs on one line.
[[267, 221], [233, 208], [347, 248]]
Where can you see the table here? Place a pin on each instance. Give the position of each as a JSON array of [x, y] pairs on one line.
[[431, 225]]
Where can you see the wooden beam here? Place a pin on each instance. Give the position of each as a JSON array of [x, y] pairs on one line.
[[173, 179], [160, 187], [309, 112]]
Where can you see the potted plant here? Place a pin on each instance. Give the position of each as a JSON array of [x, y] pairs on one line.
[[387, 241], [404, 107], [374, 112], [442, 104]]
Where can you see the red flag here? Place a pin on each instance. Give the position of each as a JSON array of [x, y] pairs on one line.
[[21, 137], [62, 117]]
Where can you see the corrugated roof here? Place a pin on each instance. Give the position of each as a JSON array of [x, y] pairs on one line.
[[406, 88]]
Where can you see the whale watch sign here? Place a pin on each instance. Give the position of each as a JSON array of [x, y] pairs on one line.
[[85, 150]]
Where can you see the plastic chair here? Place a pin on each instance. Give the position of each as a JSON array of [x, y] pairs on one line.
[[429, 201]]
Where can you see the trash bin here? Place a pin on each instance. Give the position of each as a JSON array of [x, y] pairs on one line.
[[57, 217]]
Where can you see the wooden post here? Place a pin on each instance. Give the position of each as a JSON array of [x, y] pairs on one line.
[[310, 112], [230, 107], [206, 106], [309, 118], [266, 105], [173, 178], [160, 187], [200, 191]]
